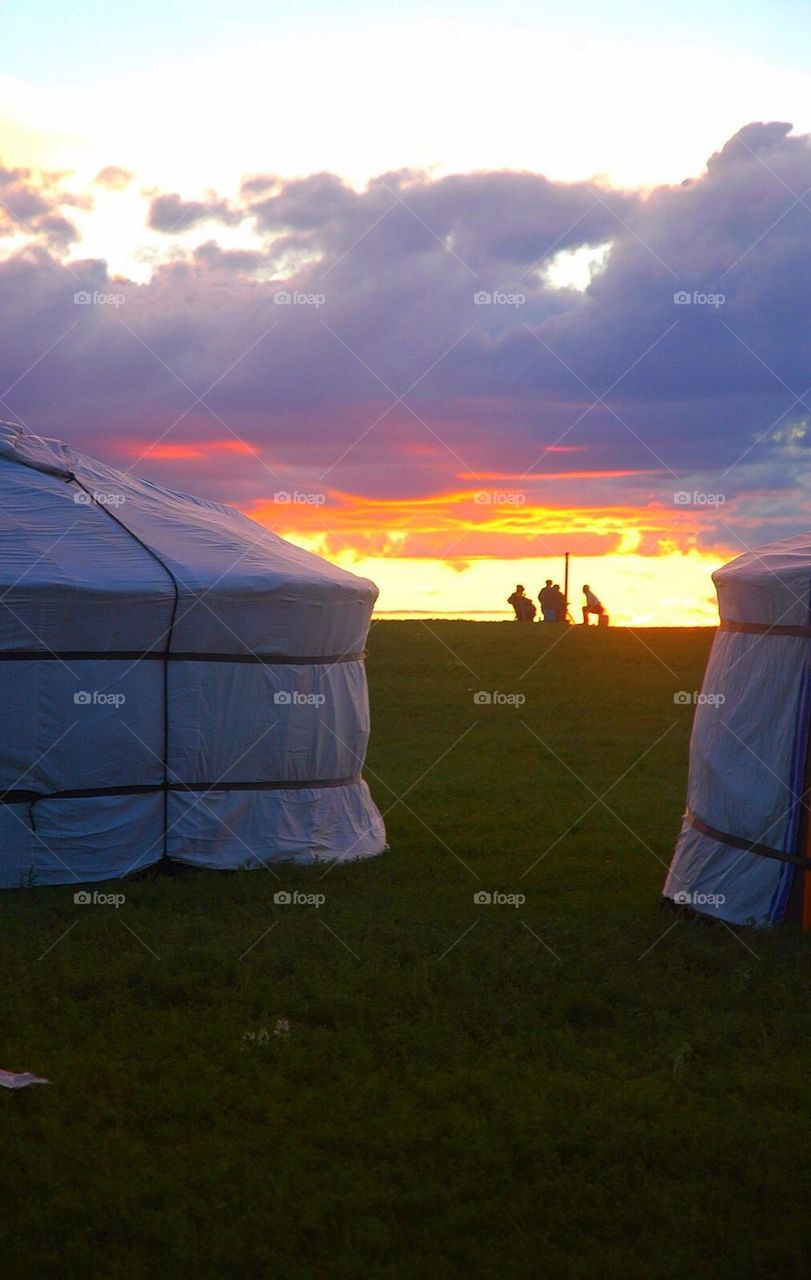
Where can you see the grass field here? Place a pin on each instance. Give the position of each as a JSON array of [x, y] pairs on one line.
[[585, 1084]]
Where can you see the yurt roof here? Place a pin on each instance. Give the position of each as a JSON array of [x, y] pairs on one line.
[[55, 534], [768, 586], [788, 559]]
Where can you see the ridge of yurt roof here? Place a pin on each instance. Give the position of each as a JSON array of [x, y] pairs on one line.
[[778, 560], [201, 540]]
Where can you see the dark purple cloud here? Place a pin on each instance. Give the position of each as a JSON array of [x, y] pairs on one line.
[[232, 261], [169, 213], [31, 207]]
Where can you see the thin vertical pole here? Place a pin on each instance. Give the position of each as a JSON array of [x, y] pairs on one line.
[[805, 846], [804, 843], [798, 906]]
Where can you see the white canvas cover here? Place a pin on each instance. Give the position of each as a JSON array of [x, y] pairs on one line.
[[748, 747], [175, 680]]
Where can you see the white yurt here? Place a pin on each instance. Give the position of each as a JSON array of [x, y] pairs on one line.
[[742, 855], [176, 682]]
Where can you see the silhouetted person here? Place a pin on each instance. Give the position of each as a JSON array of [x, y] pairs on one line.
[[592, 605], [559, 603], [546, 596], [521, 603]]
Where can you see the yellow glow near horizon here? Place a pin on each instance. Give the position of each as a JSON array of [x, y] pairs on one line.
[[670, 590]]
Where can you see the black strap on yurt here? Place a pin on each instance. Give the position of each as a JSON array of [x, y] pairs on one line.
[[748, 846], [765, 628], [166, 648], [20, 796], [137, 655]]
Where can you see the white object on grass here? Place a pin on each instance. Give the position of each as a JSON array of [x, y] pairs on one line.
[[19, 1079]]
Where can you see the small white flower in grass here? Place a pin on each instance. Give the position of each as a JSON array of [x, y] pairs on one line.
[[280, 1028], [257, 1037]]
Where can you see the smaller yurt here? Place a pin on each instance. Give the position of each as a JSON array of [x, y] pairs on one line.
[[743, 851], [176, 682]]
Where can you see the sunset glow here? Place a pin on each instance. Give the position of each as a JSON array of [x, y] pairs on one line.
[[438, 563], [441, 347]]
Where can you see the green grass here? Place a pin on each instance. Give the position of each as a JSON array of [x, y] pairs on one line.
[[586, 1085]]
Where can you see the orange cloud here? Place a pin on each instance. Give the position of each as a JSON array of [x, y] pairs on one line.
[[526, 477], [461, 526], [191, 451]]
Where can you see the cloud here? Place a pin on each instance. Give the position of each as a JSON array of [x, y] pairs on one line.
[[751, 140], [403, 345], [260, 183], [169, 213], [237, 261], [113, 178], [30, 206]]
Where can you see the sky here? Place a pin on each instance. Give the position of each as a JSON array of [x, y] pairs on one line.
[[440, 293]]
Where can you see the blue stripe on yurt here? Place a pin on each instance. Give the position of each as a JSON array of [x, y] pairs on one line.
[[777, 906]]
